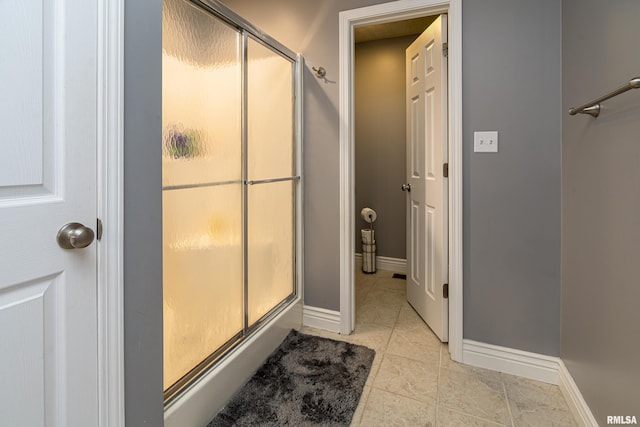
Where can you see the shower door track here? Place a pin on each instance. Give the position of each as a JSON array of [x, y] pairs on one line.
[[217, 356]]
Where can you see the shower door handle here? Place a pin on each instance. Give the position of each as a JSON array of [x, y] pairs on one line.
[[406, 187]]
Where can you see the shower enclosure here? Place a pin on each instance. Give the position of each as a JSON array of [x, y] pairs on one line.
[[231, 187]]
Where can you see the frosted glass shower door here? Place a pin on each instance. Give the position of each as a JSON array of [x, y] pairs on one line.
[[271, 178], [229, 181], [202, 187]]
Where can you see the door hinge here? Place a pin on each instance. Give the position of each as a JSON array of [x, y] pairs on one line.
[[99, 229], [445, 170], [445, 49], [445, 290]]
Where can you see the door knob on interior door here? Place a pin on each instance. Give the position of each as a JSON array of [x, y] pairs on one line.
[[406, 187], [74, 236]]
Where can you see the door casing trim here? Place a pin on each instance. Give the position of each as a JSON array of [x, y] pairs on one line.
[[389, 12], [110, 163]]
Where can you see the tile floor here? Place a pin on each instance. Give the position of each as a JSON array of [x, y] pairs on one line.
[[413, 382]]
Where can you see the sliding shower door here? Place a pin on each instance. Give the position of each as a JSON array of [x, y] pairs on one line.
[[271, 178], [229, 187]]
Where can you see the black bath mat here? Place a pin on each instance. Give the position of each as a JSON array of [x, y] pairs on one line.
[[308, 380]]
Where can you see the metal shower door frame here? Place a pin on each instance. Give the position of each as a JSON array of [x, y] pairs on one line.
[[246, 32]]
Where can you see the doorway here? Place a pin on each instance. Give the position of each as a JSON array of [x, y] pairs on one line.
[[393, 12], [381, 162], [380, 132]]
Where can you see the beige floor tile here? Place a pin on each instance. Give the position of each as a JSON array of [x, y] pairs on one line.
[[365, 280], [376, 337], [449, 418], [400, 388], [415, 343], [386, 296], [392, 284], [445, 356], [408, 319], [361, 297], [534, 403], [381, 274], [447, 363], [407, 377], [389, 409], [377, 311], [357, 415], [375, 367], [360, 276], [480, 394]]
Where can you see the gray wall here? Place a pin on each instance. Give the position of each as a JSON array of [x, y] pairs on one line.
[[512, 84], [311, 28], [601, 206], [380, 129], [143, 213]]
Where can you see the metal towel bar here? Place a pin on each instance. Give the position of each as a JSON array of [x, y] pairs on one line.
[[593, 108]]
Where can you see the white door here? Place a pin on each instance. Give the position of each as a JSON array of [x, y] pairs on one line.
[[48, 112], [427, 191]]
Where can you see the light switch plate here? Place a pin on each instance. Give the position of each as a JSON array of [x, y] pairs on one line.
[[485, 142]]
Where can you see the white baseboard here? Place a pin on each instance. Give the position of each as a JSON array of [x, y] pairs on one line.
[[533, 366], [321, 318], [511, 361], [396, 265], [574, 398]]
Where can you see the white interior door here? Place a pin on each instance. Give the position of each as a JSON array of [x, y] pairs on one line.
[[48, 111], [427, 217]]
